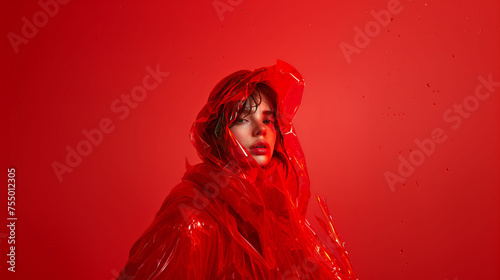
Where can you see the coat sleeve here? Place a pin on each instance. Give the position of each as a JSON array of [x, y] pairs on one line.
[[183, 242]]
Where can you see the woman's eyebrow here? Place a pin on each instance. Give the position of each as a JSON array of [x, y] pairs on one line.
[[268, 112]]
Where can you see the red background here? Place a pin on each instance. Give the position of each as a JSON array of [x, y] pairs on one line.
[[356, 118]]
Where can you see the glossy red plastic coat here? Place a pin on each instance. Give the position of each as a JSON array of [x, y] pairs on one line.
[[231, 219]]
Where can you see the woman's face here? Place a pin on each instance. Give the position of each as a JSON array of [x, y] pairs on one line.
[[256, 131]]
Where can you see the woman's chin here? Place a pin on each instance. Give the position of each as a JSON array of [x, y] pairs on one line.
[[262, 160]]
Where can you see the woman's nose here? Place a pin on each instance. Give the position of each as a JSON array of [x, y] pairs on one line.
[[260, 129]]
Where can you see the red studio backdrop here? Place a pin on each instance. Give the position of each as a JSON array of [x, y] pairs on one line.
[[399, 124]]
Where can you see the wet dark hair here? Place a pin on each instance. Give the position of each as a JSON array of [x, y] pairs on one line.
[[256, 97], [238, 110]]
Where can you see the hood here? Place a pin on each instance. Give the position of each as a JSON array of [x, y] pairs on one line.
[[210, 133]]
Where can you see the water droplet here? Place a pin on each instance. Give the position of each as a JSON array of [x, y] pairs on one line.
[[416, 183], [447, 169], [401, 251], [428, 85]]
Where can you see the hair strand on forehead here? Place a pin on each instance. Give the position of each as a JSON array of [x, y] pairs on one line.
[[251, 104]]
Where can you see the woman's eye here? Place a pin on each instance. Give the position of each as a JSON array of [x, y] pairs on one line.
[[268, 121], [240, 120]]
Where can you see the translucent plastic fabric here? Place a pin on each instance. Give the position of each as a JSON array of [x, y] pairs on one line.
[[231, 219]]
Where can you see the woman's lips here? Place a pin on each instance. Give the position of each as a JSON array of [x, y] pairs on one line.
[[259, 151], [260, 147]]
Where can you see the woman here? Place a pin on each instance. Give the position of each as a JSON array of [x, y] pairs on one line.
[[240, 214]]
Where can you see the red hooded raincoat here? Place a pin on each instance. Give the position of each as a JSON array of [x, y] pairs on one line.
[[231, 219]]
